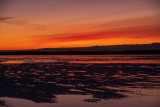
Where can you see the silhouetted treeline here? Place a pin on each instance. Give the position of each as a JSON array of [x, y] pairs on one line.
[[80, 52]]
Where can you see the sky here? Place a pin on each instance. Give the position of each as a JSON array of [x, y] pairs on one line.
[[33, 24]]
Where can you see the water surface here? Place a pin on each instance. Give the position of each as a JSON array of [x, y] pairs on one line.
[[80, 80]]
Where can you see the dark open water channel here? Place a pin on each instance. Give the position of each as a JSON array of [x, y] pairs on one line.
[[80, 81]]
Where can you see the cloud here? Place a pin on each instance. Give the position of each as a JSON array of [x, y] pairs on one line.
[[22, 23], [5, 18], [76, 37]]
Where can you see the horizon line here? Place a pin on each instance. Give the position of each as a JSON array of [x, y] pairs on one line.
[[78, 47]]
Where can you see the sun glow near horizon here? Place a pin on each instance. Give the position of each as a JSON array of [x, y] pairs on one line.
[[32, 24]]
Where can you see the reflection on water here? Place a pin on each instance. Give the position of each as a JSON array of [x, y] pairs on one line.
[[44, 82], [81, 59]]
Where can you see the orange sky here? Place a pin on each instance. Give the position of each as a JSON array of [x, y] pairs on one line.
[[31, 24]]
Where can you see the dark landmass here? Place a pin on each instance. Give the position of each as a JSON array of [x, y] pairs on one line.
[[80, 52], [153, 48], [136, 47]]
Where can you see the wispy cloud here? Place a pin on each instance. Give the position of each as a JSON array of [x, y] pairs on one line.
[[22, 23], [5, 18], [74, 37]]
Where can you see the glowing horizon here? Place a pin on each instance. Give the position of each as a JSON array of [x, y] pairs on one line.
[[33, 24]]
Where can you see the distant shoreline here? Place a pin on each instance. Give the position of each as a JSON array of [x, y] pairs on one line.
[[81, 52]]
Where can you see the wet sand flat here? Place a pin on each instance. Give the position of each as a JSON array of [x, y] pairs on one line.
[[47, 81]]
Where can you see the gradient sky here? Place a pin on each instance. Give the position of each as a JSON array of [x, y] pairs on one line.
[[31, 24]]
